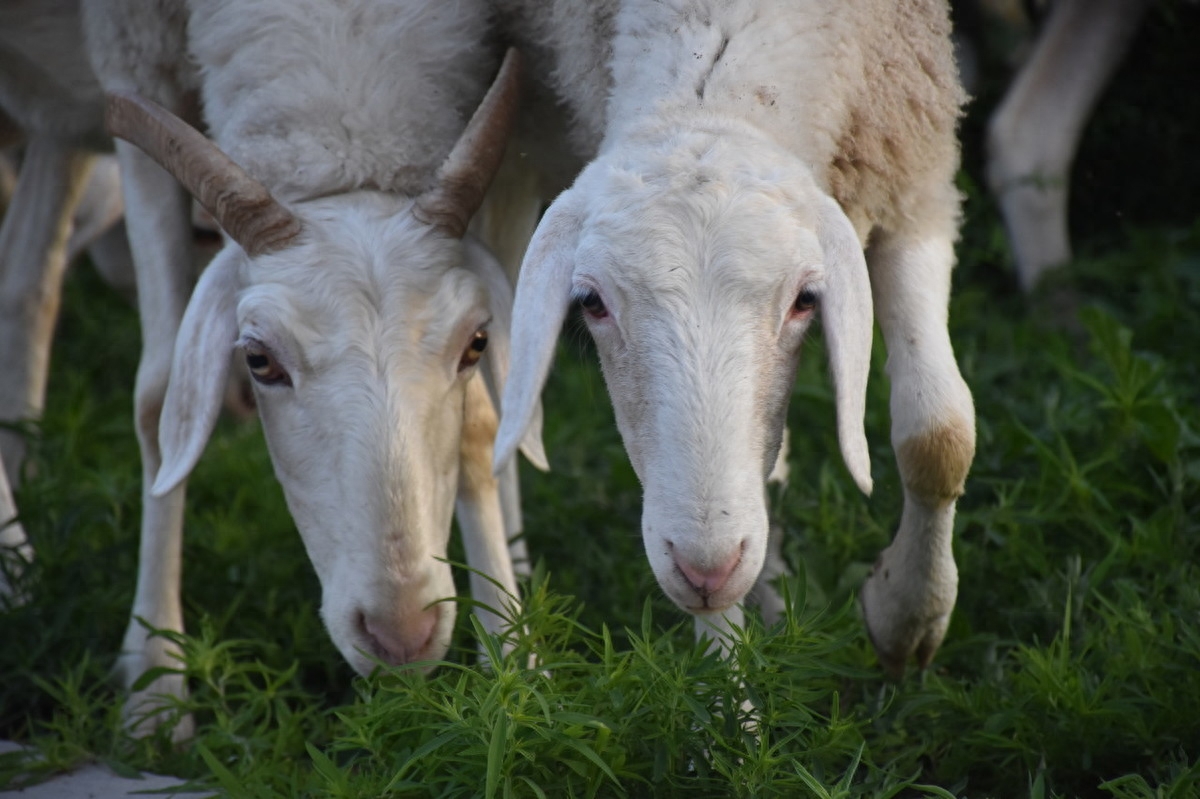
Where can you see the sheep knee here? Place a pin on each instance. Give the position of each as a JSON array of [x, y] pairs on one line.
[[934, 464]]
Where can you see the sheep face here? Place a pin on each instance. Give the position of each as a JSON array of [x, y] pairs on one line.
[[361, 339], [700, 264]]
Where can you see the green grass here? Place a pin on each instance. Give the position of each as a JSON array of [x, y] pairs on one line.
[[1071, 668]]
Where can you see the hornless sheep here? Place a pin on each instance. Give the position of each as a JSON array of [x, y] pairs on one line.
[[54, 103], [67, 200], [746, 156], [362, 309], [49, 99]]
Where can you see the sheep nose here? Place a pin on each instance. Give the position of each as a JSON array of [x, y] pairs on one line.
[[707, 575], [400, 641]]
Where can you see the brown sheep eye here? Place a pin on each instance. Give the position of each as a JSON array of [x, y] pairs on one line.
[[265, 369], [593, 305], [474, 350], [805, 301]]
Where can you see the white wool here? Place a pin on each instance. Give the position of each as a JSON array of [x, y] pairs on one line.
[[742, 157], [315, 98]]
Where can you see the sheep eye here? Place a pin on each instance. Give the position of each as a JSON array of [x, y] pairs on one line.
[[474, 350], [594, 306], [805, 301], [265, 369]]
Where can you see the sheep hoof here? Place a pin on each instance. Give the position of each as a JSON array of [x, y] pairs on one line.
[[906, 617], [158, 704], [156, 707]]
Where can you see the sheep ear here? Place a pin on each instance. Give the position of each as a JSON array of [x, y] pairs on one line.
[[198, 371], [496, 358], [543, 294], [848, 321]]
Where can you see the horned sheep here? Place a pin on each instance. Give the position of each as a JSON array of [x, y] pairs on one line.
[[745, 157], [343, 171]]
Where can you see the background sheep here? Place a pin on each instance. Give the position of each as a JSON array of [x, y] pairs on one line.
[[67, 200], [50, 101], [361, 310], [54, 103], [1034, 133], [746, 156]]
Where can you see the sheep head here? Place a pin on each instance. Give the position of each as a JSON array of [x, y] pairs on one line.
[[367, 330], [699, 259]]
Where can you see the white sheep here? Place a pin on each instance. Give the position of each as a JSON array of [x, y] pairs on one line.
[[1034, 132], [341, 172], [56, 106], [67, 200], [50, 101], [745, 157]]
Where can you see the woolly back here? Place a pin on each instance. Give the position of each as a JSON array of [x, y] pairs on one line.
[[315, 98]]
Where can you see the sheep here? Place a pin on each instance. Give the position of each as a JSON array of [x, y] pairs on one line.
[[1034, 132], [52, 100], [746, 156], [341, 173], [90, 228], [47, 97], [67, 201]]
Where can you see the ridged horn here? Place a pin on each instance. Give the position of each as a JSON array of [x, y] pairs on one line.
[[241, 205], [464, 177]]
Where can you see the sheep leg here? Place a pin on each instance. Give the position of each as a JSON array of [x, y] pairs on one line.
[[8, 174], [514, 522], [1033, 134], [764, 595], [33, 261], [112, 260], [15, 551], [480, 515], [909, 595], [719, 627], [100, 207], [160, 236]]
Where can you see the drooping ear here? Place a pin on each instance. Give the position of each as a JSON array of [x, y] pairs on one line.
[[543, 294], [198, 371], [848, 319], [496, 359]]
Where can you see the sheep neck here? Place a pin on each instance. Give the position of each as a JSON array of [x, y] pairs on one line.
[[677, 64]]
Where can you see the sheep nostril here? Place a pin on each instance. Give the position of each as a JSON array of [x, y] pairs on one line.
[[712, 574], [400, 641]]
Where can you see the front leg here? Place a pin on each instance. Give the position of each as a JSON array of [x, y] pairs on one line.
[[764, 595], [514, 522], [909, 595], [480, 516], [33, 260], [160, 236], [719, 628]]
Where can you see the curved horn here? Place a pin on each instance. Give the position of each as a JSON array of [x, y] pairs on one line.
[[464, 177], [241, 205]]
